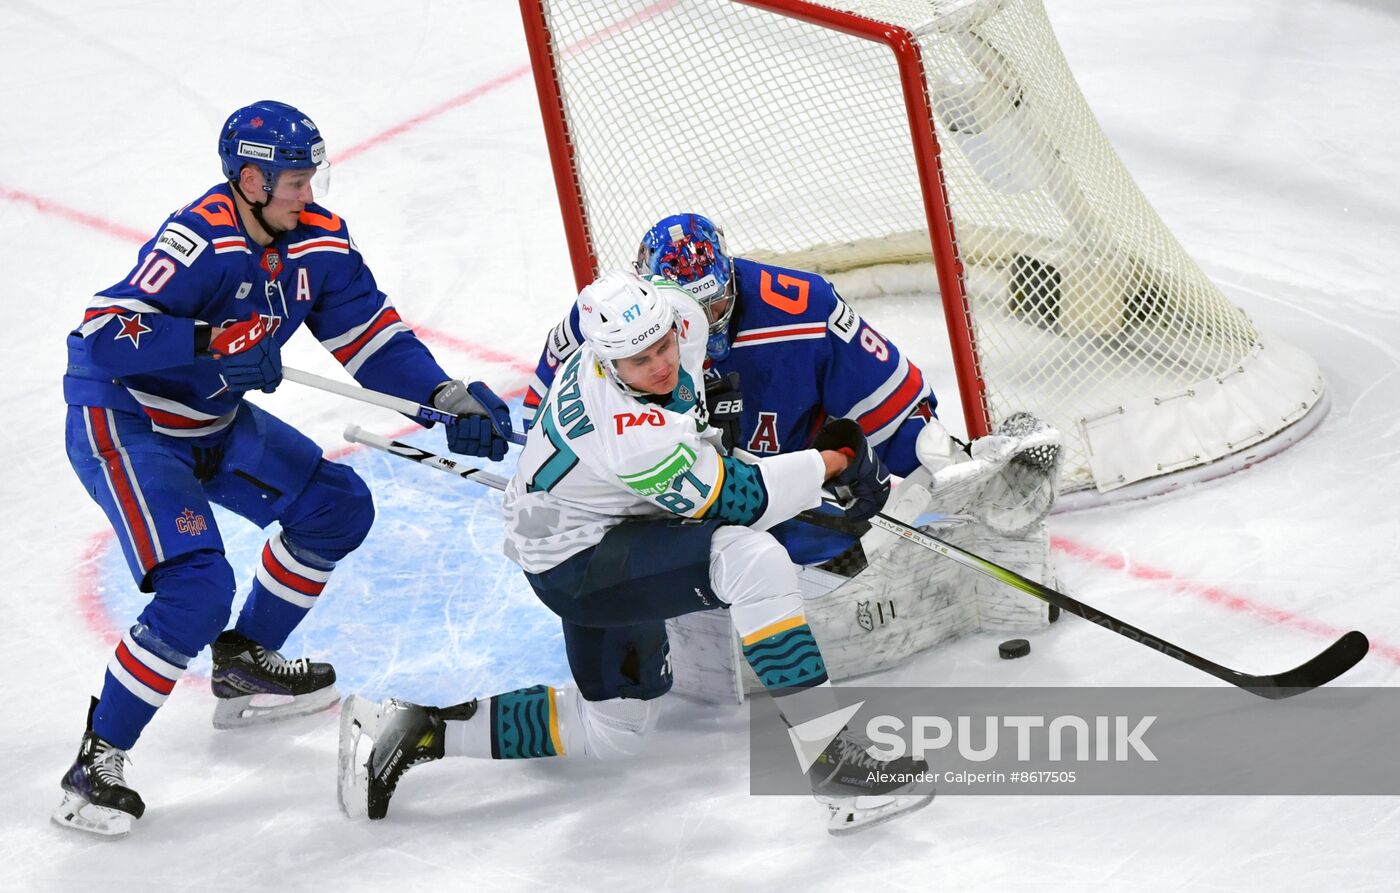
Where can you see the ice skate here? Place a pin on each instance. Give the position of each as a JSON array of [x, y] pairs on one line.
[[256, 685], [95, 796], [402, 735], [860, 791]]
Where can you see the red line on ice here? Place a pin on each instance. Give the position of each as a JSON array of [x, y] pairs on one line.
[[1213, 594], [73, 215]]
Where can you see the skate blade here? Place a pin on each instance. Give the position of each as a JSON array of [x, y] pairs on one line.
[[77, 813], [359, 719], [256, 710], [848, 816]]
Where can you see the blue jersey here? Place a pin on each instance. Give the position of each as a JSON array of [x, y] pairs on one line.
[[135, 349], [803, 355]]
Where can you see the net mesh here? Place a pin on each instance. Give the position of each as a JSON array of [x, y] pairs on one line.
[[796, 139]]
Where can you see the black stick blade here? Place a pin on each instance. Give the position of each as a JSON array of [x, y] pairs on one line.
[[1339, 657]]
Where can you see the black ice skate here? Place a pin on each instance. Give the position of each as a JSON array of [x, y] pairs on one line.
[[402, 735], [861, 791], [95, 796], [255, 685]]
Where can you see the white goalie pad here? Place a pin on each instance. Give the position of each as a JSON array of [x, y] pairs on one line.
[[909, 599]]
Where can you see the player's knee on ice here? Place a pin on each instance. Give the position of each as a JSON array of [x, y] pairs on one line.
[[332, 516], [193, 598]]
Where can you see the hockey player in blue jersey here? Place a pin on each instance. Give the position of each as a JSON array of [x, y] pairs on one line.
[[801, 355], [158, 429]]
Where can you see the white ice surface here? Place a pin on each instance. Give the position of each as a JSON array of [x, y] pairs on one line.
[[1266, 135]]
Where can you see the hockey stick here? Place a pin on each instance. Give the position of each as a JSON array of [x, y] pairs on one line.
[[1335, 660], [419, 411], [356, 434]]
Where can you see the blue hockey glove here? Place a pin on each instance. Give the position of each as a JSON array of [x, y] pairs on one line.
[[724, 403], [483, 424], [865, 476], [248, 356]]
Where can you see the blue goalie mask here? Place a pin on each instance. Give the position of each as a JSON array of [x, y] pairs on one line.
[[274, 137], [689, 249]]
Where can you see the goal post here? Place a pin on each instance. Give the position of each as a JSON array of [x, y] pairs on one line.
[[944, 136]]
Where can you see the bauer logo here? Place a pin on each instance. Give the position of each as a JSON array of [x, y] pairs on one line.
[[260, 151]]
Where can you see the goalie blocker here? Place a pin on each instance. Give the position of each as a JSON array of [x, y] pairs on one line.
[[991, 500]]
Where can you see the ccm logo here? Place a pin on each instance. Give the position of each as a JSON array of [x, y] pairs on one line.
[[247, 339], [628, 420]]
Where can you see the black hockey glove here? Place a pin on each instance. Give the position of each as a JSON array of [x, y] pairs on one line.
[[725, 405], [865, 476]]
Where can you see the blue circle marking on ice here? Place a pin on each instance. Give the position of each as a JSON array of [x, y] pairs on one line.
[[427, 609]]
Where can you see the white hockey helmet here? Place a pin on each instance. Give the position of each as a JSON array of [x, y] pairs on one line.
[[621, 313]]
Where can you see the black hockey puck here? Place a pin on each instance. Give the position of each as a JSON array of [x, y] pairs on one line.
[[1014, 648]]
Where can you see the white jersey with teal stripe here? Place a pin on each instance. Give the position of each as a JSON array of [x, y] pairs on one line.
[[598, 456]]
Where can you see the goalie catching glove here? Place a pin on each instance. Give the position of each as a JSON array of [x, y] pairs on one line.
[[865, 476], [482, 427]]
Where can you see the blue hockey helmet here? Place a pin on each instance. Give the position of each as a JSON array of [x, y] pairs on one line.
[[689, 249], [273, 137]]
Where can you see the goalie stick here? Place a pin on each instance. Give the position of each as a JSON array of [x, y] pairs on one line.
[[417, 411], [1335, 660]]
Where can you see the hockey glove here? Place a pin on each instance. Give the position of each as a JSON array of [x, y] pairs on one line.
[[725, 405], [248, 356], [865, 476], [482, 427]]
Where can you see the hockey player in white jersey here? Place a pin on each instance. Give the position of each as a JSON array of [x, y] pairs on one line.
[[624, 512]]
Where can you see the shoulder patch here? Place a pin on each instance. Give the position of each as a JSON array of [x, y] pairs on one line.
[[181, 242], [561, 341], [844, 321], [657, 479]]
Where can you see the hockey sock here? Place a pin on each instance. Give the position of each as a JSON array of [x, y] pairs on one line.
[[520, 724], [288, 582], [139, 677], [785, 658]]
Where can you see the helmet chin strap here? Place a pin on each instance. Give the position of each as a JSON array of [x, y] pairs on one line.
[[268, 228]]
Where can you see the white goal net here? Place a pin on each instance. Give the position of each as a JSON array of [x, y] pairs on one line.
[[949, 133]]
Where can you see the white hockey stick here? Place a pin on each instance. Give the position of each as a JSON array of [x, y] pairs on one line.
[[419, 411], [356, 434]]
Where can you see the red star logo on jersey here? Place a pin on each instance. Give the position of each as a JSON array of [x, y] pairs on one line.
[[132, 329]]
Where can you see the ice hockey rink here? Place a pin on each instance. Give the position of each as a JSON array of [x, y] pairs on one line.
[[1264, 133]]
